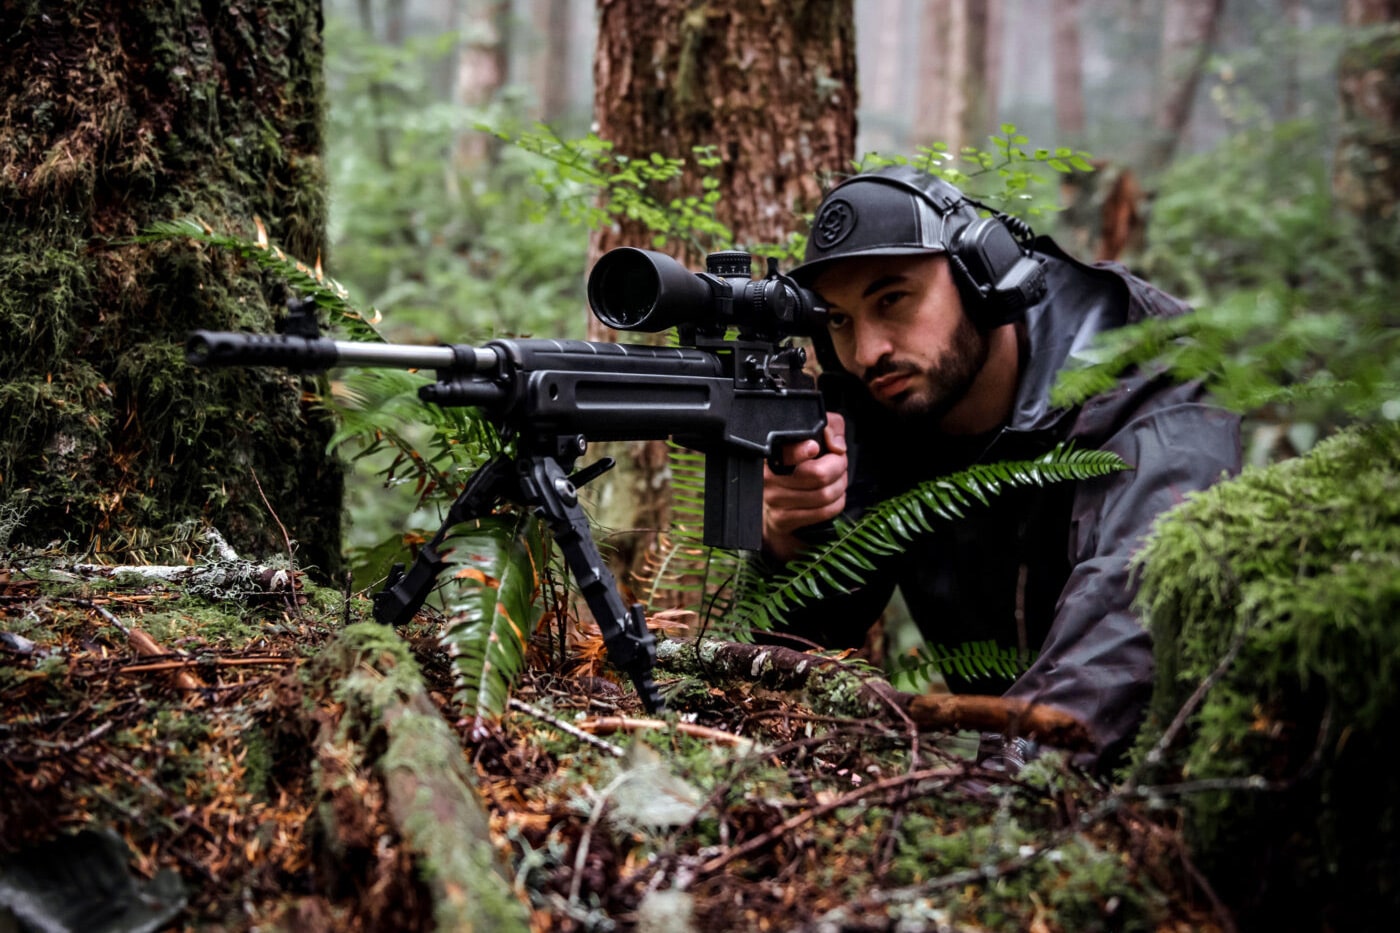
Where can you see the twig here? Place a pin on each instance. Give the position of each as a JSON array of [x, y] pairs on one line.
[[586, 840], [195, 662], [806, 816], [607, 725], [287, 540], [563, 726]]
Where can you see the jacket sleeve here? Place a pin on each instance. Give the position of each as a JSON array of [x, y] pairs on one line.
[[1096, 662]]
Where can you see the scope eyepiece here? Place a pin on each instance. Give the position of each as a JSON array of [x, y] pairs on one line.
[[643, 290]]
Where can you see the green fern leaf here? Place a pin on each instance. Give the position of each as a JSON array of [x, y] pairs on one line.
[[501, 566], [854, 547]]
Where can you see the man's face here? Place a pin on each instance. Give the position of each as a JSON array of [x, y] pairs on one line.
[[897, 322]]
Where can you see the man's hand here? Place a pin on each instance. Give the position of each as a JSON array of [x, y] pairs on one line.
[[815, 491]]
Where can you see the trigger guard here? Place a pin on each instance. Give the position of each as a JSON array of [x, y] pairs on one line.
[[782, 469]]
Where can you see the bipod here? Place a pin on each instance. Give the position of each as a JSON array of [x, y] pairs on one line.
[[540, 482]]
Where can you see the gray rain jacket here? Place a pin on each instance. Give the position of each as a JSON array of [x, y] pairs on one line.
[[1043, 569]]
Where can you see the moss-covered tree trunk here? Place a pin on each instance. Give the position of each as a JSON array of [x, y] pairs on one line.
[[772, 87], [116, 115]]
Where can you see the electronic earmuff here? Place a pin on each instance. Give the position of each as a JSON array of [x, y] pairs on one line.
[[997, 276]]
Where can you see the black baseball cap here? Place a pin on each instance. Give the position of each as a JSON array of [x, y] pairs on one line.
[[894, 211]]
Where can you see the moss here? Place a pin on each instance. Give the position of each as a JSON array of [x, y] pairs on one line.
[[1298, 567], [120, 115]]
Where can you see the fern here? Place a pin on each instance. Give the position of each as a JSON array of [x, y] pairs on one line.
[[1260, 350], [308, 281], [839, 565], [688, 572], [971, 660], [495, 615]]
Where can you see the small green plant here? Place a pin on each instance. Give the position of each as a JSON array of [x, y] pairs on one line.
[[591, 184], [1005, 175]]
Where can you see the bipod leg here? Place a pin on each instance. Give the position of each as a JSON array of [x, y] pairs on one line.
[[631, 646], [404, 593]]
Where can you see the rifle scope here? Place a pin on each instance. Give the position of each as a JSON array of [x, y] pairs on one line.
[[640, 289]]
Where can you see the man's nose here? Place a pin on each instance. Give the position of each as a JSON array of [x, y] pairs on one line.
[[872, 344]]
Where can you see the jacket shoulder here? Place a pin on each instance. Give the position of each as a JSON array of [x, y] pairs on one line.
[[1144, 299]]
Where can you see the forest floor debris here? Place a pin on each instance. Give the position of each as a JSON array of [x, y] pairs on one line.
[[202, 734]]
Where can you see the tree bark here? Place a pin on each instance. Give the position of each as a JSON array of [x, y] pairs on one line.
[[940, 117], [482, 61], [958, 72], [772, 87], [1069, 73], [555, 26], [1366, 177], [116, 115]]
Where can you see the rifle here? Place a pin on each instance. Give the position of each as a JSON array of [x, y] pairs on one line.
[[736, 399]]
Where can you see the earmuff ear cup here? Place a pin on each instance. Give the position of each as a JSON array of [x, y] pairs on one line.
[[996, 277]]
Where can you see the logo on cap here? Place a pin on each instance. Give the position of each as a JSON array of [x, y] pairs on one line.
[[835, 222]]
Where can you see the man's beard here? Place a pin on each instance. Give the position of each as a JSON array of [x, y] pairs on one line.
[[942, 385]]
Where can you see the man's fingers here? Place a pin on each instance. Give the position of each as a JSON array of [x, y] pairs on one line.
[[835, 432]]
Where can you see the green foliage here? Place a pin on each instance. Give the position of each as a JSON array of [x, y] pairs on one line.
[[840, 563], [1295, 319], [593, 185], [495, 615], [1255, 211], [1284, 584], [444, 245], [972, 660], [1005, 175]]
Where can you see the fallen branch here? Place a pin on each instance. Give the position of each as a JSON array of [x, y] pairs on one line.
[[840, 689], [608, 725], [216, 580], [195, 662]]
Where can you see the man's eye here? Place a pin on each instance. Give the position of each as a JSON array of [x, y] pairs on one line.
[[889, 299], [837, 321]]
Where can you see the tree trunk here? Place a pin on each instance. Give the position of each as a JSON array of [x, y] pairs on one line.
[[1188, 35], [772, 86], [1367, 173], [958, 72], [482, 61], [1069, 74], [555, 27], [940, 117], [118, 115]]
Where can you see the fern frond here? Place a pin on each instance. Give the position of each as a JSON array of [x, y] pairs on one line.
[[690, 574], [494, 617], [308, 281], [972, 660], [839, 564]]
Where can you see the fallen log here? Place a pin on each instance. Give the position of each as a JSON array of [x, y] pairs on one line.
[[377, 702]]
